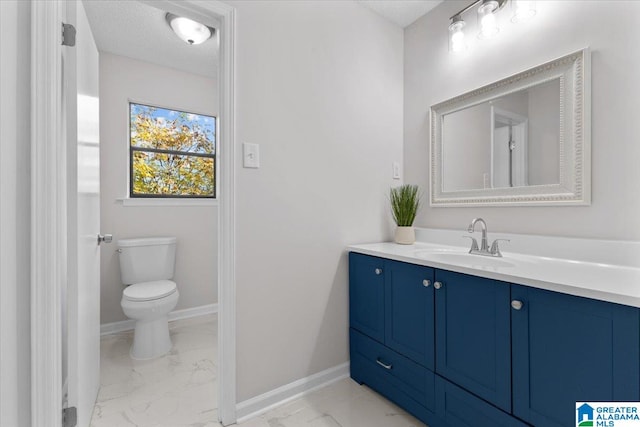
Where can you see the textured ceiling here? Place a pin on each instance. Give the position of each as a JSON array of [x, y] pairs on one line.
[[140, 31], [401, 12]]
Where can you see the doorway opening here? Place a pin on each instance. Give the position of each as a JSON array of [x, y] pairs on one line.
[[57, 215], [159, 107]]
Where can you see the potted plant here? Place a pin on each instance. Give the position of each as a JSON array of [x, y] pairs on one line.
[[404, 207]]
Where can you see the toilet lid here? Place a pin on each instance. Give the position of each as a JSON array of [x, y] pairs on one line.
[[148, 291]]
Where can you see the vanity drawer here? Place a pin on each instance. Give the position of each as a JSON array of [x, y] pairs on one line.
[[373, 360], [459, 408]]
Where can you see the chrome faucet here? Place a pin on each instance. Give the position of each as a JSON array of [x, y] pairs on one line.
[[484, 243]]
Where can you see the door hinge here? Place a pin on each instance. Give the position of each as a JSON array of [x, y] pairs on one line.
[[69, 417], [68, 35]]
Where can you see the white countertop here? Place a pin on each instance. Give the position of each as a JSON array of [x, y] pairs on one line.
[[601, 281]]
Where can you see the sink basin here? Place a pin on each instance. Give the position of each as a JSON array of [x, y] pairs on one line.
[[464, 258], [426, 253]]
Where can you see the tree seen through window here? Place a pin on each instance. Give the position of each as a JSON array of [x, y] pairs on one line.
[[172, 153]]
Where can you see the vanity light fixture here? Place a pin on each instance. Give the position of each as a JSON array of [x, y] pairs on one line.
[[456, 34], [523, 10], [189, 31], [487, 19]]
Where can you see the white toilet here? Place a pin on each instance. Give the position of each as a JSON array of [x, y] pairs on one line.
[[147, 265]]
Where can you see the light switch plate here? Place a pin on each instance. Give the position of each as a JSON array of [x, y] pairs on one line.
[[396, 170], [251, 155]]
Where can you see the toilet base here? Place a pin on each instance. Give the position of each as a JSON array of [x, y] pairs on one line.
[[151, 339]]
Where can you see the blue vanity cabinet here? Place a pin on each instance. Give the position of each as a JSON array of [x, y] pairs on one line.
[[409, 313], [473, 335], [391, 332], [569, 349], [366, 295]]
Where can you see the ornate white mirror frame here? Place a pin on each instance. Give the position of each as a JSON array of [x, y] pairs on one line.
[[574, 187]]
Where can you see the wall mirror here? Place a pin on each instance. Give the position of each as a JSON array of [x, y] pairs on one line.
[[523, 140]]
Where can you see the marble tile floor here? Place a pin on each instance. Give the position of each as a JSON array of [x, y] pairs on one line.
[[180, 390], [341, 404]]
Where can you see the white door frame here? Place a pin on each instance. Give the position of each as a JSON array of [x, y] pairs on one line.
[[49, 199], [48, 213]]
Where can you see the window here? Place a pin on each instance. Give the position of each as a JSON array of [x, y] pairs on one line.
[[172, 153]]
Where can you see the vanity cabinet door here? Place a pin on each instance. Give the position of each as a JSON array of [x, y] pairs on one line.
[[409, 319], [473, 335], [569, 349], [366, 295]]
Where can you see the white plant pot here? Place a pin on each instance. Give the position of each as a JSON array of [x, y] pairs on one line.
[[405, 235]]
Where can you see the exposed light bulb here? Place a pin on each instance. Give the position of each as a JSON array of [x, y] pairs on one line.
[[523, 10], [190, 31], [456, 35], [487, 19]]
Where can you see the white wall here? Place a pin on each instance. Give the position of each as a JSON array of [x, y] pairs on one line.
[[467, 137], [15, 355], [544, 128], [610, 28], [123, 79], [319, 87]]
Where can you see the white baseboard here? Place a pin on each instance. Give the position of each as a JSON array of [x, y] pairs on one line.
[[260, 404], [186, 313]]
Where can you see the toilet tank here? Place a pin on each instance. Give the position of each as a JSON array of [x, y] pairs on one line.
[[147, 259]]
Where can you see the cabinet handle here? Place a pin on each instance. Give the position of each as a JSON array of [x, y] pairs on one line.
[[437, 285], [384, 365], [378, 271], [426, 283], [516, 305]]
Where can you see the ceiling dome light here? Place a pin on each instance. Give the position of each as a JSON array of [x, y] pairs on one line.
[[191, 32]]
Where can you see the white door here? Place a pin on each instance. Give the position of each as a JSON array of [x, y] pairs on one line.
[[80, 71]]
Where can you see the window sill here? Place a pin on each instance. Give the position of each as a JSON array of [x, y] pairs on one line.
[[131, 202]]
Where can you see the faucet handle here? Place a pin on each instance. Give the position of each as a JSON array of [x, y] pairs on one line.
[[474, 243], [495, 250]]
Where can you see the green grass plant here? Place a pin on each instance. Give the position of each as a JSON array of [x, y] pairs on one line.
[[404, 204]]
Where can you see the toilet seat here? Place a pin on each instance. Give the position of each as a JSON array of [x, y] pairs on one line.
[[149, 291]]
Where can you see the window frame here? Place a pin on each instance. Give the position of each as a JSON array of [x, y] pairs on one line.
[[133, 149]]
